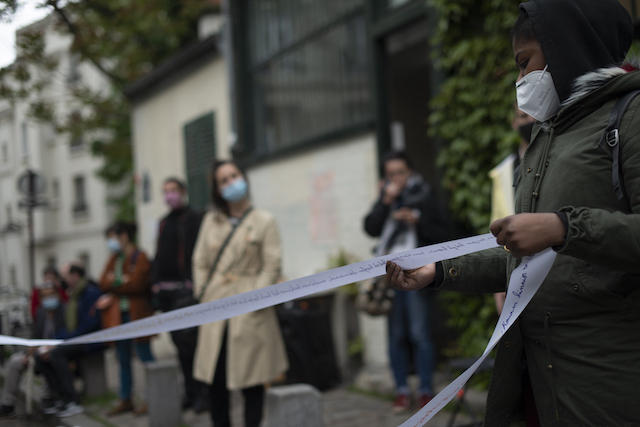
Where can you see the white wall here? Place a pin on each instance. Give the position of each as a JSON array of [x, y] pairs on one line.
[[158, 123], [320, 198]]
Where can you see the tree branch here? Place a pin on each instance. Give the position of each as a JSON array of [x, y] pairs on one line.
[[73, 29]]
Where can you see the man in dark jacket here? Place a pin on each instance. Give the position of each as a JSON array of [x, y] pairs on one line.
[[172, 280], [81, 317], [407, 215]]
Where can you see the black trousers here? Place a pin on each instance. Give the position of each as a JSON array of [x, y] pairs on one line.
[[56, 370], [220, 396], [185, 340]]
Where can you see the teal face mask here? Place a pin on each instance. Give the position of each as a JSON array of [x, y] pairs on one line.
[[50, 303], [235, 191], [113, 245]]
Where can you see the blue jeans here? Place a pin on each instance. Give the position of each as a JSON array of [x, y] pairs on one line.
[[124, 350], [409, 322]]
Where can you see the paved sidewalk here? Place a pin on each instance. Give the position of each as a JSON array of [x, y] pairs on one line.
[[341, 407]]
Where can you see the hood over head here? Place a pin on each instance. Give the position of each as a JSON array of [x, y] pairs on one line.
[[579, 36]]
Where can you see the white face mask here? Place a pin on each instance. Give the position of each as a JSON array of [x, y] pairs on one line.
[[536, 95]]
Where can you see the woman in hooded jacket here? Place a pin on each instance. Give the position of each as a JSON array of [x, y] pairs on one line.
[[572, 356]]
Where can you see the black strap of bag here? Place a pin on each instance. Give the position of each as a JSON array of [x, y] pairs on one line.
[[611, 137], [224, 245]]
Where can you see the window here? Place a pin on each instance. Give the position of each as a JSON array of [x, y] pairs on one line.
[[77, 140], [200, 150], [13, 276], [52, 261], [146, 188], [84, 259], [55, 188], [308, 71], [55, 193], [74, 68], [80, 203], [8, 225], [25, 141]]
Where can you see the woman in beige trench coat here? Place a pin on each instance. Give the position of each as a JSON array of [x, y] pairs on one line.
[[246, 351]]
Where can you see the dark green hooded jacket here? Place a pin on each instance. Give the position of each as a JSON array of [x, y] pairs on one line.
[[579, 338]]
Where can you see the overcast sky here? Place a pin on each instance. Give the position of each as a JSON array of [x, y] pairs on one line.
[[26, 15]]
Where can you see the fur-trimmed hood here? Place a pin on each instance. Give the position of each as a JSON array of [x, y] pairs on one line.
[[593, 80]]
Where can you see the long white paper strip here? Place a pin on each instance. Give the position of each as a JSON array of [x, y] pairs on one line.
[[523, 284], [235, 305]]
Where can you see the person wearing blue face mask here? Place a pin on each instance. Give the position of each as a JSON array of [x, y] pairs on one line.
[[126, 280], [81, 317], [237, 250], [49, 321]]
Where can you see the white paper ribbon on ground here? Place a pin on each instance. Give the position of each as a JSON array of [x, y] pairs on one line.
[[235, 305], [523, 284]]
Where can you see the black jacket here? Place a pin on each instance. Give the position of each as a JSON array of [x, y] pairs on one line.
[[58, 318], [432, 226], [176, 239]]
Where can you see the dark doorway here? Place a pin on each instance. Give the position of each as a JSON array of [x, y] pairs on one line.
[[408, 81], [407, 71]]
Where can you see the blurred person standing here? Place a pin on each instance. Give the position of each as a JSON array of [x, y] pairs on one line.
[[407, 215], [127, 280], [48, 322], [238, 250], [81, 317], [172, 281], [503, 178]]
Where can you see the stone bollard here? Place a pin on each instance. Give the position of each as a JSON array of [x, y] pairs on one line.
[[165, 406], [296, 405], [93, 370]]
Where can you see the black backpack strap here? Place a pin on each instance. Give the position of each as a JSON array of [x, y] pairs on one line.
[[611, 137]]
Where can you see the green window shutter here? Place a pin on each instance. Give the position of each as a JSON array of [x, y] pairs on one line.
[[200, 150]]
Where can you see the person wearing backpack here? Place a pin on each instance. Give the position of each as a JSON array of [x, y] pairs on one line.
[[571, 358], [127, 279]]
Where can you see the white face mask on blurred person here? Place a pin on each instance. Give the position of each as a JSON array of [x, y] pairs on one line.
[[536, 95]]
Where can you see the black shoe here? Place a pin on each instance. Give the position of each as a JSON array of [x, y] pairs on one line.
[[200, 405], [187, 402], [6, 410]]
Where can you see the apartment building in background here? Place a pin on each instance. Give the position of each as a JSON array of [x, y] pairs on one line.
[[72, 224]]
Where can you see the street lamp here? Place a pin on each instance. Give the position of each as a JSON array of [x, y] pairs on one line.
[[30, 184]]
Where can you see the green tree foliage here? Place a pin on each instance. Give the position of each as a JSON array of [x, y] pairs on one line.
[[472, 114], [124, 39]]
